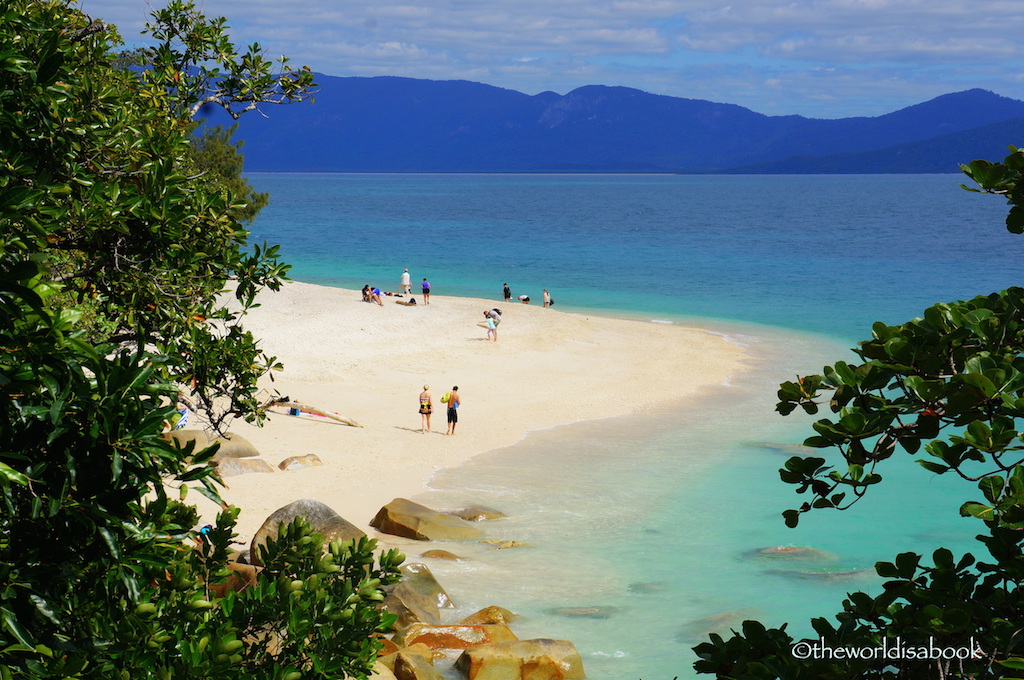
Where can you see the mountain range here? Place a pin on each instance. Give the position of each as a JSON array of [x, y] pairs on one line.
[[390, 124]]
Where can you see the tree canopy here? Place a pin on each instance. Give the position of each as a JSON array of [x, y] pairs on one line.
[[114, 253], [948, 386]]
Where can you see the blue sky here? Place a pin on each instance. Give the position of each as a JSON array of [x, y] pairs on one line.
[[818, 58]]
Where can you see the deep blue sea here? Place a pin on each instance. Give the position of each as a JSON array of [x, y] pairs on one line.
[[648, 525]]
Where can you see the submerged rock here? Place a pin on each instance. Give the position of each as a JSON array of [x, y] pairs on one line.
[[440, 555], [477, 513], [599, 612], [824, 575], [647, 587], [794, 552], [492, 614]]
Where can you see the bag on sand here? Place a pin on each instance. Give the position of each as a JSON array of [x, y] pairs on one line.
[[446, 397]]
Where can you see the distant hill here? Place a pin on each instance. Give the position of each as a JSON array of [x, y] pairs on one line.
[[393, 124]]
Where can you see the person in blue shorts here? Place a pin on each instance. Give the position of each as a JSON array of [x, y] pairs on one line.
[[426, 292]]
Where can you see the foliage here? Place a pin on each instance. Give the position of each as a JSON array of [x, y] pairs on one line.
[[218, 164], [199, 66], [98, 576], [950, 385]]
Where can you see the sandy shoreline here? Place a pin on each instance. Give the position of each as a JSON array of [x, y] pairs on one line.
[[369, 363]]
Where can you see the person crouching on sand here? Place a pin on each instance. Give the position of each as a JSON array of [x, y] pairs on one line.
[[426, 408]]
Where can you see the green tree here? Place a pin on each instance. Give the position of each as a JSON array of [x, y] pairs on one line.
[[948, 385], [98, 574]]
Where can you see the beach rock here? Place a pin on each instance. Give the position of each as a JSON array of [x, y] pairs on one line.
[[388, 660], [477, 513], [415, 667], [402, 517], [242, 576], [418, 577], [492, 614], [231, 445], [440, 555], [232, 467], [234, 446], [381, 672], [389, 646], [322, 518], [588, 612], [540, 659], [455, 636], [299, 462], [498, 544], [409, 606]]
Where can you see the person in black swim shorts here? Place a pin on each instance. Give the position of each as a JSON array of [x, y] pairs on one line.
[[453, 409]]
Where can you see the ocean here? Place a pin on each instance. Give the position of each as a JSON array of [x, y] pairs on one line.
[[644, 531]]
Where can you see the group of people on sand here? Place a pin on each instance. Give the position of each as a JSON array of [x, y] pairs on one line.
[[405, 285], [451, 399], [525, 299]]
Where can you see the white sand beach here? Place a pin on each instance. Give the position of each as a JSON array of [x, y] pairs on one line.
[[369, 363]]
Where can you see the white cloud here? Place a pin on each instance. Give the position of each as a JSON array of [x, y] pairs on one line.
[[901, 50]]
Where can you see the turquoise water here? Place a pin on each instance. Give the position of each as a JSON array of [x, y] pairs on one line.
[[650, 523]]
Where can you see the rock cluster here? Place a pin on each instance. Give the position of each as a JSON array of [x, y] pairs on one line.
[[482, 646]]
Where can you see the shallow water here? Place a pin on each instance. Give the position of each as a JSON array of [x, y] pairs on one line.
[[643, 530]]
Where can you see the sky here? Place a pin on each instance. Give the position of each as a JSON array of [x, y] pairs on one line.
[[816, 58]]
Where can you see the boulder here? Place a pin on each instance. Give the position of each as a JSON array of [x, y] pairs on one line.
[[415, 667], [492, 614], [409, 606], [454, 636], [419, 578], [440, 555], [477, 513], [299, 462], [231, 445], [242, 576], [540, 659], [402, 517], [234, 446], [322, 518], [381, 672], [232, 467], [389, 660]]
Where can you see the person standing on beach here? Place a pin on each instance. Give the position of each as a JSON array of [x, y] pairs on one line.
[[426, 292], [492, 327], [426, 408], [453, 409], [406, 285], [547, 298], [508, 293]]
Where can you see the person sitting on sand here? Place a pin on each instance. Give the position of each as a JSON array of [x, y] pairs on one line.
[[375, 296], [366, 293]]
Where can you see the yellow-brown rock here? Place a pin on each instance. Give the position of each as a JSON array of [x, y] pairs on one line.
[[540, 659], [299, 462], [477, 513], [232, 467], [389, 660], [455, 636], [381, 672], [415, 667], [489, 615], [402, 517], [418, 576], [242, 576], [418, 597], [440, 555], [389, 646]]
